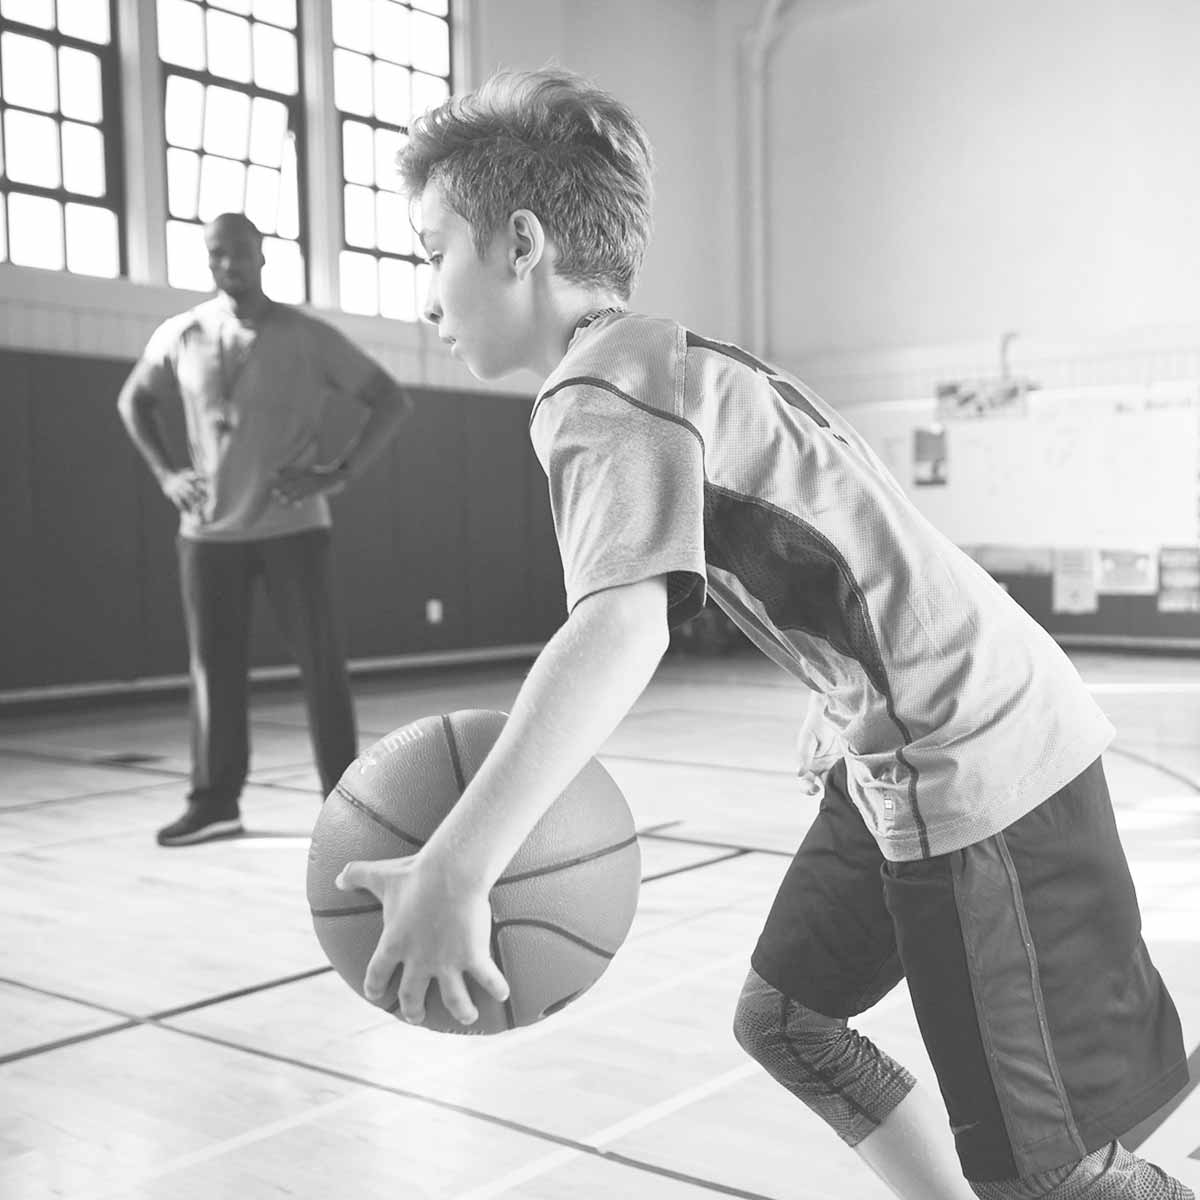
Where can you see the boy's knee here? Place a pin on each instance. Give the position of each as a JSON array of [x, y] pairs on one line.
[[764, 1016], [842, 1076]]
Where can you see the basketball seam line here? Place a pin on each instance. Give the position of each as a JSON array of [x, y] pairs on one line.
[[566, 933], [355, 911], [510, 1013], [573, 862], [355, 802], [455, 761]]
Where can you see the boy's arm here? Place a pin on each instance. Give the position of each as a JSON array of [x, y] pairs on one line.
[[437, 921]]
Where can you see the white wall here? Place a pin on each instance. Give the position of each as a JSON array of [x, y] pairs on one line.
[[940, 172], [660, 57], [946, 170]]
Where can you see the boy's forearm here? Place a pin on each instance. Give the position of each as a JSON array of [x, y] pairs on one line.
[[581, 686]]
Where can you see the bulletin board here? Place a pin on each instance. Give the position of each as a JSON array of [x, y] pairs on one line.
[[1084, 480]]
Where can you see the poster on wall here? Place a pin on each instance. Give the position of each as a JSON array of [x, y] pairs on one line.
[[1013, 560], [971, 398], [1127, 573], [930, 458], [1179, 579], [1074, 581]]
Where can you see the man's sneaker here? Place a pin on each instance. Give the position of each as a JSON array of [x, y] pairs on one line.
[[196, 825]]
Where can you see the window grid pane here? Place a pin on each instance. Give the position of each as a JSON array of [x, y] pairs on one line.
[[391, 62], [233, 124], [60, 137]]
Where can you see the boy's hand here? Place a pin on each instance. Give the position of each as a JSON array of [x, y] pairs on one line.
[[436, 930]]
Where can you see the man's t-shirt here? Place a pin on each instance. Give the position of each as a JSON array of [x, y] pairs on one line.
[[253, 398], [670, 454]]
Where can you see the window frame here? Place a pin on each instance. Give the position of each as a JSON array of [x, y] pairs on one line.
[[37, 306], [297, 126], [341, 118], [112, 133]]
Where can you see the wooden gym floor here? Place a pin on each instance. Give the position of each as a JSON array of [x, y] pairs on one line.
[[169, 1028]]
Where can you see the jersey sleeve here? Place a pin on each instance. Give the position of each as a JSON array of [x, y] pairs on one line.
[[344, 366], [627, 494]]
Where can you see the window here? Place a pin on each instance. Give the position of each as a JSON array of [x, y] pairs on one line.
[[60, 191], [391, 60], [232, 120]]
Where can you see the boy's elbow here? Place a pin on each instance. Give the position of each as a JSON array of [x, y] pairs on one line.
[[639, 610]]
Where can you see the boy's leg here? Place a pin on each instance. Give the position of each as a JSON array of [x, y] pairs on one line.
[[827, 952], [1110, 1173], [1048, 1026], [299, 580]]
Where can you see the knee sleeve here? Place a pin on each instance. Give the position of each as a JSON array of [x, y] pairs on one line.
[[841, 1075], [1110, 1173]]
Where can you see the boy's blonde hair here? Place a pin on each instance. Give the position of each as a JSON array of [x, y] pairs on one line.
[[551, 142]]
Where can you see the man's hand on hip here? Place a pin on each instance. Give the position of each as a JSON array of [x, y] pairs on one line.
[[187, 490], [294, 484]]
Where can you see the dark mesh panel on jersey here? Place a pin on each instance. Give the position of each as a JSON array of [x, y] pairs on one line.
[[735, 352], [796, 400], [790, 394], [685, 597], [794, 572]]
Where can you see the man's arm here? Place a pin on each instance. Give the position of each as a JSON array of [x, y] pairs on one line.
[[388, 405], [436, 915], [138, 405]]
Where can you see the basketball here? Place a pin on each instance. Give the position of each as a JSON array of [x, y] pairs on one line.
[[560, 910]]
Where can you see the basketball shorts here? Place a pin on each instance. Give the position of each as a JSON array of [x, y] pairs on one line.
[[1049, 1028]]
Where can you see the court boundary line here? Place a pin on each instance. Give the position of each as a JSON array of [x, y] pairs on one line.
[[216, 1150], [1146, 761], [706, 862], [130, 1020]]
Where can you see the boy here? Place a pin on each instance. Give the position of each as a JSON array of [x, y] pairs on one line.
[[965, 840]]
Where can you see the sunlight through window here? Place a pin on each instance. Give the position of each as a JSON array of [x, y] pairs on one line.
[[231, 121], [391, 62], [58, 137]]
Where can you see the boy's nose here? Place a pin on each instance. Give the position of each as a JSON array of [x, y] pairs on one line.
[[432, 311]]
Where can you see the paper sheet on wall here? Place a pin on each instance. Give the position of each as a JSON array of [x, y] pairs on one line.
[[1127, 573], [1073, 587], [1179, 579]]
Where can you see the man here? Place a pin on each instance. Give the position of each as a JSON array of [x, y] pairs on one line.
[[253, 377]]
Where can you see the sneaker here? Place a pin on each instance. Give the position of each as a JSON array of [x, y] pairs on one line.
[[196, 825]]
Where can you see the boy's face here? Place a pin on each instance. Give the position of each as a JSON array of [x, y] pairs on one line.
[[475, 301]]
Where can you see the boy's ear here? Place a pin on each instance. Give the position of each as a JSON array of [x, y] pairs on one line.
[[527, 242]]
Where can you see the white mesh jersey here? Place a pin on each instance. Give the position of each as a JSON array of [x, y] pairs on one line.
[[671, 454]]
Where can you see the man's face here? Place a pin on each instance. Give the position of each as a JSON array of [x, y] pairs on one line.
[[234, 258], [474, 300]]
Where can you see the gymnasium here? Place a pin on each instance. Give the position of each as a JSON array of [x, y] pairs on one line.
[[972, 229]]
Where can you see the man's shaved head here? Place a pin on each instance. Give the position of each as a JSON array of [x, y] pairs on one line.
[[235, 255], [233, 223]]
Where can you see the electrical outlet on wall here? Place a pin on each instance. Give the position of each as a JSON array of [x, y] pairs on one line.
[[433, 611]]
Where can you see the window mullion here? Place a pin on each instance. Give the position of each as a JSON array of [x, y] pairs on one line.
[[323, 147], [144, 142]]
